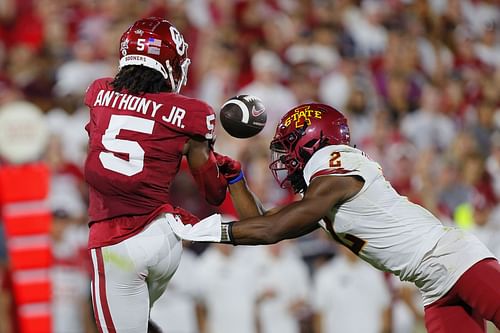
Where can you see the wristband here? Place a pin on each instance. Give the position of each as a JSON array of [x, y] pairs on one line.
[[237, 179], [227, 233]]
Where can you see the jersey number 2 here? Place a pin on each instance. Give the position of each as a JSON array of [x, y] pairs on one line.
[[133, 149], [335, 160]]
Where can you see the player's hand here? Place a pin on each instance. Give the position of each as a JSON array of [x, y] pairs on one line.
[[229, 168]]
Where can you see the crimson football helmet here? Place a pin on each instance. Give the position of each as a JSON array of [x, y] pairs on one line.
[[155, 43], [300, 133]]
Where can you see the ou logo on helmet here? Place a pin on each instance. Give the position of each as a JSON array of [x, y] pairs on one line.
[[178, 40]]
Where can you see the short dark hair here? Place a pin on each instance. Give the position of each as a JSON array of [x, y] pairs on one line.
[[138, 79]]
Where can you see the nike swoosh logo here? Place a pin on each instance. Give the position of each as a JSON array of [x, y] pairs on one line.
[[258, 112]]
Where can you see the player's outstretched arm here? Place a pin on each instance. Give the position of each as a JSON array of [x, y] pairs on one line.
[[297, 218], [203, 166], [244, 200]]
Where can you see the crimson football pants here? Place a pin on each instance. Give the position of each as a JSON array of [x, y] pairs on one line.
[[474, 298], [130, 276]]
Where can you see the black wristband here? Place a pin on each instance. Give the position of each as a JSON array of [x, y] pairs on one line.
[[227, 233]]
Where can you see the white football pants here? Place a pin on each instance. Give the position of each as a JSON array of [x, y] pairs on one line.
[[130, 276]]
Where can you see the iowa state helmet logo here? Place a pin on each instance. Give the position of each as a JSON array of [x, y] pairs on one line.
[[302, 116]]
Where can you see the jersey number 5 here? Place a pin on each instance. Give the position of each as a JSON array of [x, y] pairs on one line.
[[135, 162]]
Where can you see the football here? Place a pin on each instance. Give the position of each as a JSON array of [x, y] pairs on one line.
[[243, 116]]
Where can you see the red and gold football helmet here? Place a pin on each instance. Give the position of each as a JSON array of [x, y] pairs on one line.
[[155, 43], [300, 133]]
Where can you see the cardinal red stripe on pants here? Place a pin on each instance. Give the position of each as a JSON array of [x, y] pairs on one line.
[[100, 302], [94, 307]]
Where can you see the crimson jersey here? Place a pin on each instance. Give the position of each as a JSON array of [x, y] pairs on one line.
[[135, 151]]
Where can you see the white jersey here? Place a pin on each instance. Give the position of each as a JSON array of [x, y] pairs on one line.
[[390, 232]]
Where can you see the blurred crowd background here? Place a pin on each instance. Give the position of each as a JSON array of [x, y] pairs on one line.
[[418, 80]]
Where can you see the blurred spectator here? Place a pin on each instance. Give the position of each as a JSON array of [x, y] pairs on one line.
[[486, 222], [453, 191], [493, 163], [487, 48], [74, 76], [383, 135], [484, 126], [23, 65], [407, 308], [283, 290], [268, 69], [347, 289], [335, 88], [478, 14], [316, 47], [365, 26], [66, 181], [219, 66], [68, 126], [8, 91], [227, 290], [359, 114], [402, 158], [397, 92], [427, 127], [70, 276], [479, 191], [304, 81]]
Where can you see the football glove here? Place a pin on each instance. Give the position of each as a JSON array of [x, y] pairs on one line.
[[229, 168]]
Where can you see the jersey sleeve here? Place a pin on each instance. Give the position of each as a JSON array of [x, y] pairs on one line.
[[200, 120], [342, 160], [333, 161]]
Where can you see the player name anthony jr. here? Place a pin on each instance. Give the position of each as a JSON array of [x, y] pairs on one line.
[[120, 101]]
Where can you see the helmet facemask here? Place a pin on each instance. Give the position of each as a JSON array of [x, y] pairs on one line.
[[287, 169], [182, 81]]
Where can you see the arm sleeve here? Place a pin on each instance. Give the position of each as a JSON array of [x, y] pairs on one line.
[[341, 161], [332, 161], [200, 120], [211, 183], [200, 124]]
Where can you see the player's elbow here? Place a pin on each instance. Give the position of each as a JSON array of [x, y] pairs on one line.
[[216, 199]]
